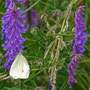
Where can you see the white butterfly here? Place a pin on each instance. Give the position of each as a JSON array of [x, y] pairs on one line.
[[19, 68]]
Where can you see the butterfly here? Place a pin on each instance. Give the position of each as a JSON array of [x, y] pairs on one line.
[[19, 68]]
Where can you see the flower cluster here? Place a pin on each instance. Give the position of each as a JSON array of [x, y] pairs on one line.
[[78, 43], [8, 2], [71, 70], [29, 18], [80, 36], [12, 29]]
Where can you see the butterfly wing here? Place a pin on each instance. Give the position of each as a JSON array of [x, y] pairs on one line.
[[15, 71], [25, 69], [20, 68]]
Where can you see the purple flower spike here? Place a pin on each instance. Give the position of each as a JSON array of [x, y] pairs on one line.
[[30, 17], [9, 1], [33, 17], [71, 70], [12, 27], [78, 44], [80, 36]]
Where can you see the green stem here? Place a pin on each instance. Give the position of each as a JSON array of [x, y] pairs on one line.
[[31, 7], [21, 84]]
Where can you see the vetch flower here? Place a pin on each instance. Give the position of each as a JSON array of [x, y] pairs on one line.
[[21, 1], [9, 1], [50, 85], [0, 61], [71, 70], [30, 17], [80, 35], [13, 28], [78, 44], [34, 20], [4, 26]]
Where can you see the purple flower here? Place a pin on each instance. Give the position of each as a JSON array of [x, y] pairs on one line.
[[50, 85], [9, 1], [80, 36], [30, 17], [34, 20], [3, 32], [0, 61], [13, 28], [21, 1], [71, 70], [78, 44]]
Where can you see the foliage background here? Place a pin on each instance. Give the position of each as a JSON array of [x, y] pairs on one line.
[[36, 44]]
